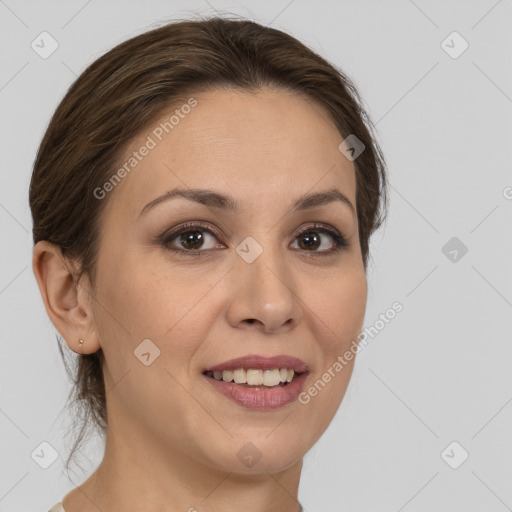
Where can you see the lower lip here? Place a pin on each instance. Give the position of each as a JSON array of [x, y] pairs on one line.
[[262, 399]]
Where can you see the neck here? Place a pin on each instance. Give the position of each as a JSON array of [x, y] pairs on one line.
[[139, 473]]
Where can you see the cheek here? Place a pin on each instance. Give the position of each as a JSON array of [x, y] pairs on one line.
[[337, 313], [139, 302], [339, 306], [144, 301]]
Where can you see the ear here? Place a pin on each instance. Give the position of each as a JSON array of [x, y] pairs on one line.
[[67, 305]]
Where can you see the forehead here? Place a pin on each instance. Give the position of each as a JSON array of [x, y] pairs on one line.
[[258, 147]]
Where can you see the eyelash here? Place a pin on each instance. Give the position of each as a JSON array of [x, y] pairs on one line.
[[339, 240]]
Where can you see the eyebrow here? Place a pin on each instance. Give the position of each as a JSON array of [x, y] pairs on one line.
[[214, 199]]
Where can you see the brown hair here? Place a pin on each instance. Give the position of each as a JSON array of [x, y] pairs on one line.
[[128, 88]]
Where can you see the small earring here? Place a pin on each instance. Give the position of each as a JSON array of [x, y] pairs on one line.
[[81, 341]]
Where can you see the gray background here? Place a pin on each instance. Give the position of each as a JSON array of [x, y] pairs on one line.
[[440, 370]]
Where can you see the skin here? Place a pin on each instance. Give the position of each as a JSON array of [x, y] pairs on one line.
[[172, 440]]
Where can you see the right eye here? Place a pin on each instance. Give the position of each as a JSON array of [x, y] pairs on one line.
[[192, 238]]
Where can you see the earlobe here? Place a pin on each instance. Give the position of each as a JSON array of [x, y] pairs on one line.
[[69, 310]]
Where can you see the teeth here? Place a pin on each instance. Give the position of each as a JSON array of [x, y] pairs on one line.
[[227, 376], [271, 377], [255, 377], [240, 376]]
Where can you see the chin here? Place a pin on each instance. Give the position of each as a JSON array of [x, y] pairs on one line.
[[260, 452]]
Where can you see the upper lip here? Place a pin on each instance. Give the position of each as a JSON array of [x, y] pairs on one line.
[[257, 362]]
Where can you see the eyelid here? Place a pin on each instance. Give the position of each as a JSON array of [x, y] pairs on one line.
[[316, 225]]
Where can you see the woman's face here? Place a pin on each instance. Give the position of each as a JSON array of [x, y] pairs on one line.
[[260, 280]]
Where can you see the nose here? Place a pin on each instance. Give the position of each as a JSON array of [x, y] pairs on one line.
[[264, 294]]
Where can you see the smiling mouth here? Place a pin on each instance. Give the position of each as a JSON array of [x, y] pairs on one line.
[[255, 378]]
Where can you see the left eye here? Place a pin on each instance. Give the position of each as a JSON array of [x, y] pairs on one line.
[[313, 238]]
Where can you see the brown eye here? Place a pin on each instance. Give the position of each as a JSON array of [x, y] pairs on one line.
[[312, 239], [191, 239]]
